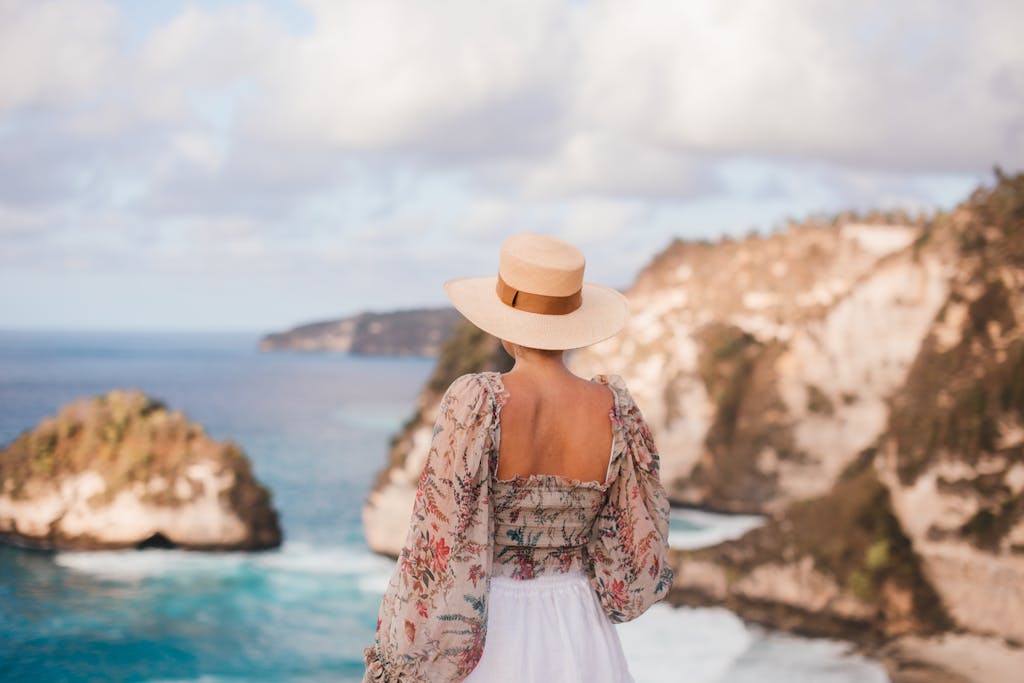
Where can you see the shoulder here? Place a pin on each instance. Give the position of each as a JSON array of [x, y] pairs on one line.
[[624, 402], [464, 383], [614, 381], [472, 390], [473, 383], [627, 411]]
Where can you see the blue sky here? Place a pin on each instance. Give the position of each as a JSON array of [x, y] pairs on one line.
[[240, 165]]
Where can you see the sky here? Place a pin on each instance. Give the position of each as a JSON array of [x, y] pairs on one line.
[[251, 166]]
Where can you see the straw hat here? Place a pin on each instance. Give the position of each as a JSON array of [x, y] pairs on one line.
[[538, 298]]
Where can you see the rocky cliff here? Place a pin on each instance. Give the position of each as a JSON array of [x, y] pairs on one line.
[[924, 531], [860, 382], [953, 454], [122, 470], [400, 333], [764, 364]]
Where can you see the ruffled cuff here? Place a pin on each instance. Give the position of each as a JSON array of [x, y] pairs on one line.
[[374, 669]]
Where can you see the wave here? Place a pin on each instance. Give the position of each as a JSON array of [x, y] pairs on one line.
[[292, 558], [315, 589], [689, 529]]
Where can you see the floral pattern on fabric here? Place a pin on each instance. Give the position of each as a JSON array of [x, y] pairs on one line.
[[467, 526], [433, 615], [542, 523], [627, 555]]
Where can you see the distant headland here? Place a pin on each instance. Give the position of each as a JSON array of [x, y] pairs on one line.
[[414, 332]]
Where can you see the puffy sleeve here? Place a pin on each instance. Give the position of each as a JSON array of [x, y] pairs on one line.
[[433, 616], [627, 553]]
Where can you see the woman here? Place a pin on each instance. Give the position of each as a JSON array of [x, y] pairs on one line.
[[540, 519]]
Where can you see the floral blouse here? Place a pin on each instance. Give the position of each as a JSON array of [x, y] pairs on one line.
[[468, 526]]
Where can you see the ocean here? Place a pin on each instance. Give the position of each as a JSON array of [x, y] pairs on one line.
[[316, 427]]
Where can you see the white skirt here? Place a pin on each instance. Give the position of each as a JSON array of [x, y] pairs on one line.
[[551, 628]]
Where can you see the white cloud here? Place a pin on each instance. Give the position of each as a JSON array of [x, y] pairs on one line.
[[617, 165], [55, 52], [547, 98], [872, 84], [20, 222], [592, 220], [487, 218], [385, 74], [634, 93], [389, 130]]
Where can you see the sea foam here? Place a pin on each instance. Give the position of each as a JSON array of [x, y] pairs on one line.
[[712, 645], [689, 529], [291, 558]]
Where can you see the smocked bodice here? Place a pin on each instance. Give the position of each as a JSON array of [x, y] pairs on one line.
[[542, 524]]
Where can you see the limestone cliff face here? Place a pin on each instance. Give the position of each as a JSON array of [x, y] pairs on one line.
[[121, 470], [924, 531], [763, 365], [953, 456]]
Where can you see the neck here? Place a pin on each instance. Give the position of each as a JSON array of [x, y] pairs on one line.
[[536, 363]]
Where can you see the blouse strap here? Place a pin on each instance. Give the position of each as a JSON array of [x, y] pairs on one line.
[[619, 390]]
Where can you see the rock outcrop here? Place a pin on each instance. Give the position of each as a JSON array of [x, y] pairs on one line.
[[838, 565], [953, 455], [924, 531], [400, 333], [121, 470], [764, 365]]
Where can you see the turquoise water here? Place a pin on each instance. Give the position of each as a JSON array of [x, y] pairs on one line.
[[316, 427]]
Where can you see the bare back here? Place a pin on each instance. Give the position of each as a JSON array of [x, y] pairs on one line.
[[559, 427]]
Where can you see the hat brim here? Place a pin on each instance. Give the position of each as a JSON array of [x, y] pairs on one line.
[[603, 314]]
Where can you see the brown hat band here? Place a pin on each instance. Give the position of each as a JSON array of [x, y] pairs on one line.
[[538, 303]]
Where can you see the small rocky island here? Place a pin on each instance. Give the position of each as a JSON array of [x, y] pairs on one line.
[[121, 470], [415, 332]]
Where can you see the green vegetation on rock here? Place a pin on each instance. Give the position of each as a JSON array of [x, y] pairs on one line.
[[135, 445], [852, 536], [959, 415], [738, 372], [963, 393], [467, 349]]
